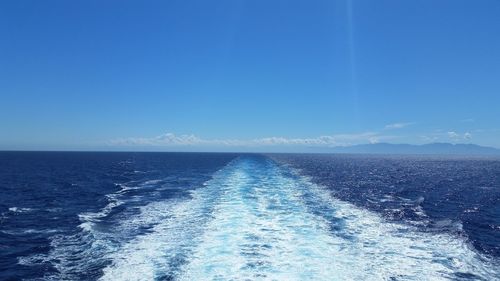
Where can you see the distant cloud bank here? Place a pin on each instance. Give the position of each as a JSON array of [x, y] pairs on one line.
[[325, 141], [170, 139]]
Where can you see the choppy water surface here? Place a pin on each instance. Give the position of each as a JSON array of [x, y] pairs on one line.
[[162, 216]]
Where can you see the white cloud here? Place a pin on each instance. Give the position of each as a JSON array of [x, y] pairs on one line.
[[398, 125], [453, 135], [165, 139], [333, 140], [457, 137], [170, 139], [450, 136]]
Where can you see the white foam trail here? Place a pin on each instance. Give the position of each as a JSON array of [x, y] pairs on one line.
[[264, 229], [257, 221], [261, 230], [160, 254], [149, 256], [80, 255]]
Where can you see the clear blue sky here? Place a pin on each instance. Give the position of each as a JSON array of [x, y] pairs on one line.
[[99, 74]]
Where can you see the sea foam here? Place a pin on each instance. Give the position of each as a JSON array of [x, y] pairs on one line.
[[259, 221]]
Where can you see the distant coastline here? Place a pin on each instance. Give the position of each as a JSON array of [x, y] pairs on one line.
[[432, 148]]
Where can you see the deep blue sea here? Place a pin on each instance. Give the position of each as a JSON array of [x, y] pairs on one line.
[[209, 216]]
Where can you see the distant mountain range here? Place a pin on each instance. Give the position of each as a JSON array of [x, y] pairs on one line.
[[432, 148]]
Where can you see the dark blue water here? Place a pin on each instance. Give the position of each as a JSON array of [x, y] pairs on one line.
[[43, 195], [454, 194], [206, 216]]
